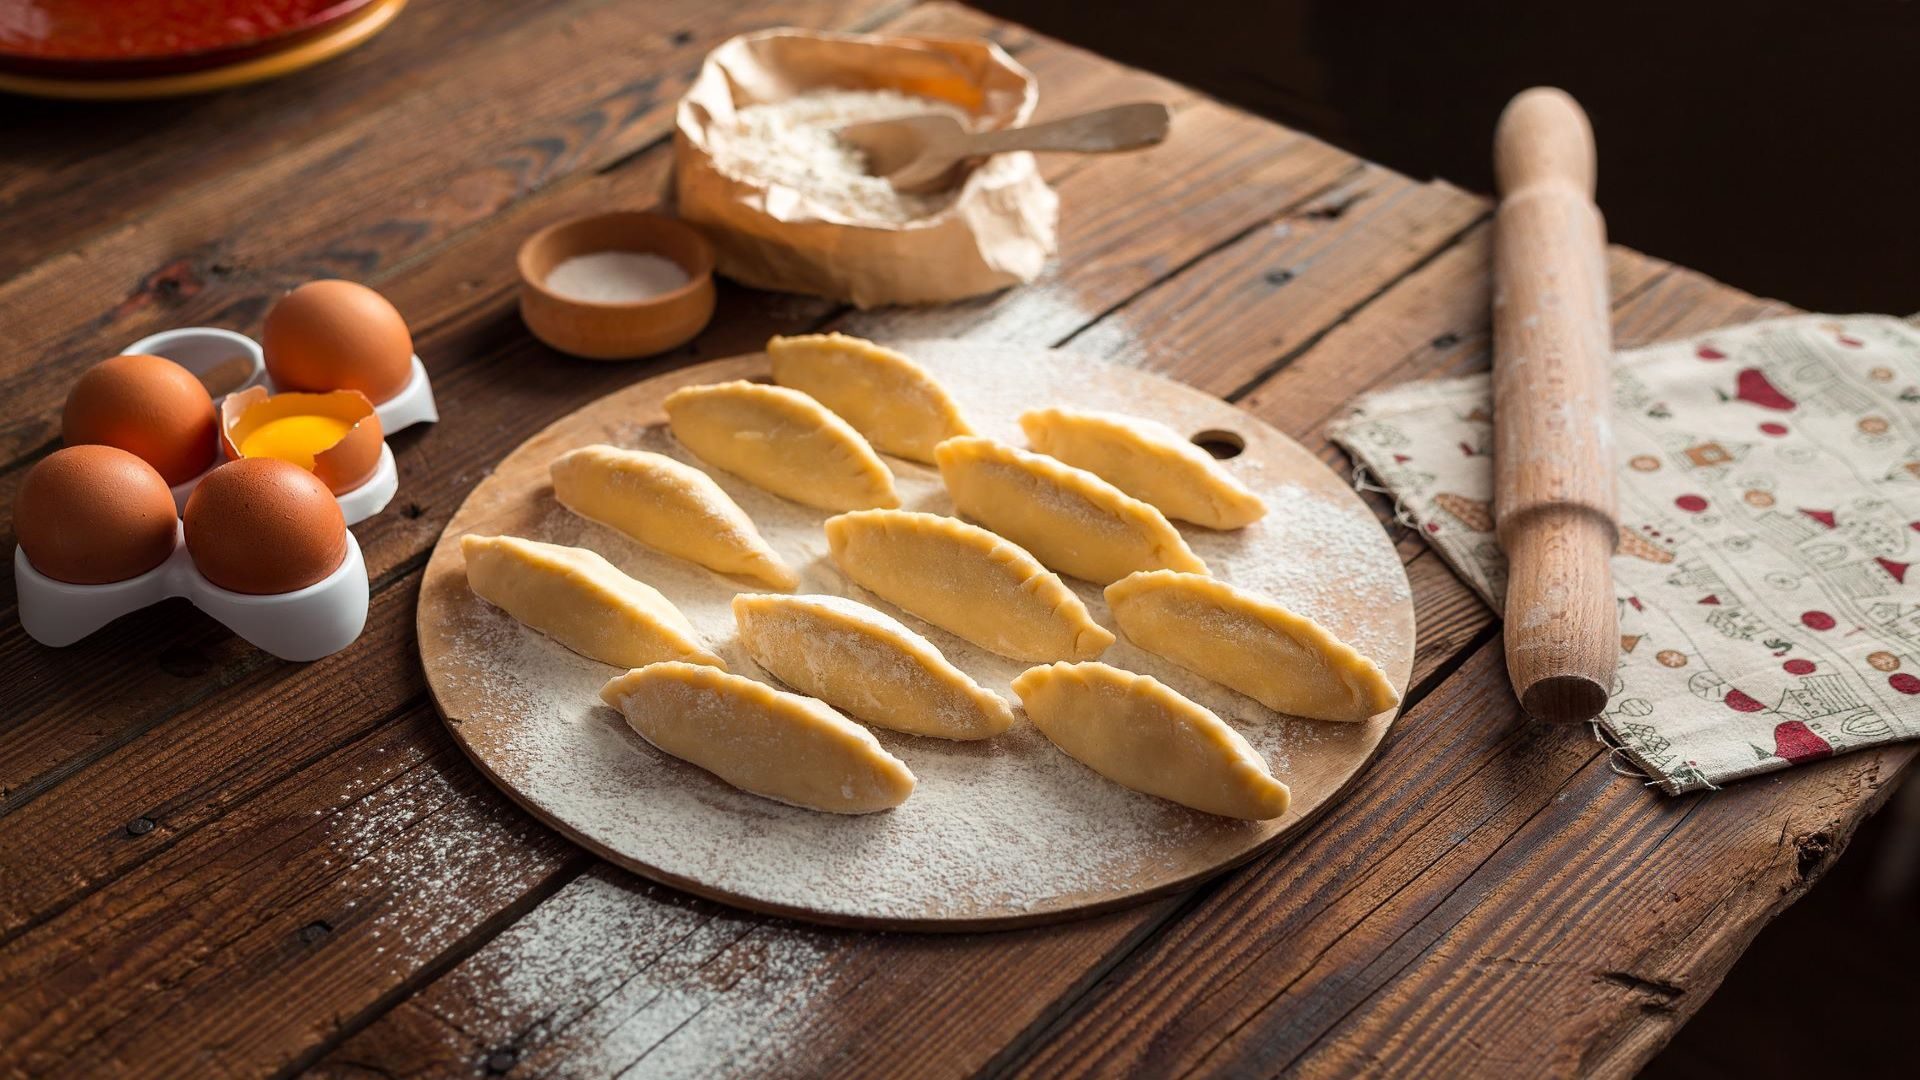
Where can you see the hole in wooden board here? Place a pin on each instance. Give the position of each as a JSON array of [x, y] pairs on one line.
[[1221, 444]]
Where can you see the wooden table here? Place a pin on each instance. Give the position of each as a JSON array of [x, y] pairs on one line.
[[216, 864]]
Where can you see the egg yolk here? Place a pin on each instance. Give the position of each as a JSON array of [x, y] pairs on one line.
[[295, 438]]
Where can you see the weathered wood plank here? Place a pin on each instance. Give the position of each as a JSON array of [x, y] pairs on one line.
[[386, 185], [1223, 322], [688, 987], [1430, 325], [83, 168], [131, 805], [252, 939]]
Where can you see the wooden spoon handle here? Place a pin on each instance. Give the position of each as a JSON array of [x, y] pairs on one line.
[[1120, 127], [1554, 500]]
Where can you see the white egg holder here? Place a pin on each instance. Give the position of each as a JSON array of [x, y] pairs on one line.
[[356, 506], [305, 624], [202, 348]]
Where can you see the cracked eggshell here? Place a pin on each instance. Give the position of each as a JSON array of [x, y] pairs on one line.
[[342, 467]]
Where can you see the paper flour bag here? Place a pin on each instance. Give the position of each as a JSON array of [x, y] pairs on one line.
[[786, 205]]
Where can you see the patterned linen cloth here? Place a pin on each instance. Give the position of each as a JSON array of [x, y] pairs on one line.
[[1769, 480]]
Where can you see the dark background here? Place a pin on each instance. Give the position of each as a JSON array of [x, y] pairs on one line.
[[1773, 145]]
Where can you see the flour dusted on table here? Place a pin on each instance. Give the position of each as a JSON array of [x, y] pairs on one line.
[[792, 143]]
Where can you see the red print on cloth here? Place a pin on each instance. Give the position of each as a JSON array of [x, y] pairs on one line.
[[1770, 551], [1796, 742], [1752, 387]]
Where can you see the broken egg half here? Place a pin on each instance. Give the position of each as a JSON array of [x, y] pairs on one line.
[[335, 435]]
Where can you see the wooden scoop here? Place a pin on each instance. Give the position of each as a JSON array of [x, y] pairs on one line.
[[1553, 434], [916, 153]]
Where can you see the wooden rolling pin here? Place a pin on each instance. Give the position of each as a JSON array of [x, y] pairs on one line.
[[1553, 433]]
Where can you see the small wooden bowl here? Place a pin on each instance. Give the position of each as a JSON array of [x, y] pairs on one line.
[[617, 331]]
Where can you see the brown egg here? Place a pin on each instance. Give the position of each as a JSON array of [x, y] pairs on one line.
[[146, 405], [338, 335], [90, 515], [264, 526]]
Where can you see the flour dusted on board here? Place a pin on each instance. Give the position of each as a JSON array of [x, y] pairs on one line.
[[1005, 825], [791, 143]]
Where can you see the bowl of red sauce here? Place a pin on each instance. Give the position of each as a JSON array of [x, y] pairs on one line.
[[130, 39]]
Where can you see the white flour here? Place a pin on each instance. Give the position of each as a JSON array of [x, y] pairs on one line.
[[791, 143], [616, 277], [1005, 826], [609, 978]]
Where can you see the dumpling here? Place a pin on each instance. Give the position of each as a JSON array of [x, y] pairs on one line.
[[966, 581], [891, 400], [868, 665], [1284, 661], [782, 440], [1070, 519], [666, 505], [1135, 731], [1149, 461], [783, 746], [581, 600]]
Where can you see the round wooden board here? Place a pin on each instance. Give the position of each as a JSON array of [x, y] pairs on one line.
[[1004, 833]]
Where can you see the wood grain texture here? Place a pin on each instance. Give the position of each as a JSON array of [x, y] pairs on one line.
[[386, 184], [230, 866], [279, 920], [1554, 501], [90, 168], [1246, 310]]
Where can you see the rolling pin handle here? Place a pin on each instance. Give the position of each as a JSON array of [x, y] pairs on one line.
[[1561, 671], [1543, 137]]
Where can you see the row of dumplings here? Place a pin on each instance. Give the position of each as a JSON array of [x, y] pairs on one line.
[[992, 588]]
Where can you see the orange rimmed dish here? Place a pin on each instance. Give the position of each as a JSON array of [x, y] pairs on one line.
[[335, 435], [177, 77], [617, 330]]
